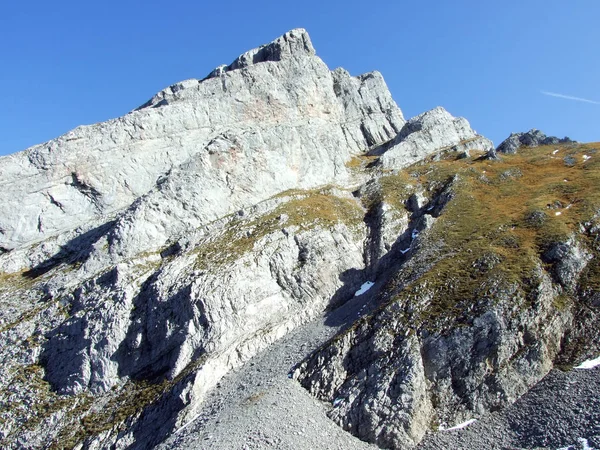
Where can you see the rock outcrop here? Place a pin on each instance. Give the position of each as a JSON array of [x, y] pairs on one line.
[[465, 326], [390, 383], [533, 138], [434, 131]]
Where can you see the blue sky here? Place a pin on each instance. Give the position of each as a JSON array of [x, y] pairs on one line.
[[67, 63]]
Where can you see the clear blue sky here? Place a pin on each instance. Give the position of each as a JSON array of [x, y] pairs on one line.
[[66, 63]]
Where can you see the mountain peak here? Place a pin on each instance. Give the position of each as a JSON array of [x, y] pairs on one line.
[[533, 138], [295, 43]]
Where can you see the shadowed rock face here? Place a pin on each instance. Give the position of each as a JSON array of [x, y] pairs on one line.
[[144, 258]]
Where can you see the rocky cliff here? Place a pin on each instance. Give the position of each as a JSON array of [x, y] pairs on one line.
[[492, 296], [144, 258]]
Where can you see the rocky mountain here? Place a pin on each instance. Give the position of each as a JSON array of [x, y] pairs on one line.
[[279, 231]]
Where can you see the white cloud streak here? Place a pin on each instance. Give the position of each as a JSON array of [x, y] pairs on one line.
[[570, 97]]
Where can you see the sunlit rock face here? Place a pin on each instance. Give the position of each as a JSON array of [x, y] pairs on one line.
[[276, 118]]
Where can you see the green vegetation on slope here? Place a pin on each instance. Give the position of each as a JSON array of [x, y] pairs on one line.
[[502, 217], [304, 210]]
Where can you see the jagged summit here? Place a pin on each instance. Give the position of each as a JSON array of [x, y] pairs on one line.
[[295, 44], [430, 132], [275, 119], [532, 138]]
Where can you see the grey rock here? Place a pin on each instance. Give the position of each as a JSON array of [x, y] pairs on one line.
[[569, 161], [533, 138], [492, 155], [277, 111], [568, 260], [432, 132]]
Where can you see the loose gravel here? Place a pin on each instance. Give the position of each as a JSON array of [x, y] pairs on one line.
[[562, 411], [260, 407]]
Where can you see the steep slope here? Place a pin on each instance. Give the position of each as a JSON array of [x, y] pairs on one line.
[[500, 287], [146, 256]]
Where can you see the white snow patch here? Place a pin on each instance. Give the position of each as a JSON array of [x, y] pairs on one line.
[[589, 364], [557, 213], [337, 402], [405, 250], [460, 426], [555, 151], [414, 234], [187, 424], [364, 288], [585, 445], [565, 180], [586, 157]]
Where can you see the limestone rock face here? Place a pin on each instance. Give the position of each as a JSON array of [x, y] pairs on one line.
[[277, 118], [432, 132], [132, 322], [177, 241]]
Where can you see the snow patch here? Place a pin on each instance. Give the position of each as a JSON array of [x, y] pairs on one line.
[[364, 288], [337, 402], [187, 424], [586, 157], [405, 250], [460, 426], [585, 445], [555, 152], [557, 213], [589, 364], [414, 234]]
